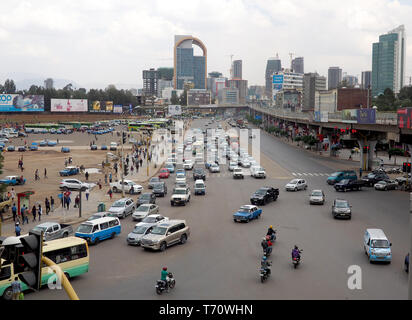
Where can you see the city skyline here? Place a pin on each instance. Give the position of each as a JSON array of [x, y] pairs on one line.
[[33, 38]]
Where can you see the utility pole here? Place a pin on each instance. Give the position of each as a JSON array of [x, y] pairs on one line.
[[122, 170], [410, 247]]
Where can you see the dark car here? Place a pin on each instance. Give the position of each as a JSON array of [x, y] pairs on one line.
[[22, 148], [341, 209], [199, 174], [93, 147], [160, 189], [373, 178], [146, 198], [347, 184], [264, 195]]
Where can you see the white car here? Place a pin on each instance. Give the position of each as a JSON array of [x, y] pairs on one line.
[[144, 210], [113, 146], [258, 172], [296, 184], [155, 218], [117, 186], [214, 168], [188, 164], [180, 177], [180, 196], [122, 208], [245, 163], [238, 173], [232, 165], [69, 184]]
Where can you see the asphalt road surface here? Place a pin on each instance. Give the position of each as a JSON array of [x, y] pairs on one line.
[[221, 258]]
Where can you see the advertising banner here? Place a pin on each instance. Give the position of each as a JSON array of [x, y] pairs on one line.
[[317, 116], [19, 103], [405, 118], [324, 116], [366, 116], [68, 105], [96, 106], [118, 108], [174, 110], [290, 100], [349, 116], [102, 106], [109, 106]]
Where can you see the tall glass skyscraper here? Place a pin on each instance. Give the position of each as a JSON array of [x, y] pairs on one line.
[[388, 62], [273, 65], [187, 66]]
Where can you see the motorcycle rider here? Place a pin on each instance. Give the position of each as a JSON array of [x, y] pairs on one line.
[[271, 232], [265, 264], [296, 253], [266, 245], [164, 278]]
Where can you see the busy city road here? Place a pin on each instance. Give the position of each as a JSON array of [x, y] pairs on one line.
[[221, 258]]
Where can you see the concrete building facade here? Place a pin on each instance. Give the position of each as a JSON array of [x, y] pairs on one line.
[[366, 80], [273, 65], [237, 69], [150, 82], [334, 77], [298, 65]]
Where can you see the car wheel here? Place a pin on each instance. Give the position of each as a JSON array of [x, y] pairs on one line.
[[183, 239], [296, 189], [96, 241], [67, 275], [115, 190], [386, 188], [8, 294], [65, 189], [163, 246]]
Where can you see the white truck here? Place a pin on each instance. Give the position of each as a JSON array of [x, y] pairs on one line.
[[54, 230], [238, 173], [180, 196], [117, 186], [258, 172]]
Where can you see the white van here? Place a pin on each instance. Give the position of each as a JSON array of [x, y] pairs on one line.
[[377, 246]]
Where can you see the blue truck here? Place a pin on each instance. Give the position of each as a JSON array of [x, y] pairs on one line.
[[247, 213]]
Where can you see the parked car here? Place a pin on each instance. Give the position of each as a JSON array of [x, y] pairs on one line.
[[373, 178], [377, 246], [386, 185], [128, 184], [346, 184], [69, 184], [152, 182], [296, 184], [155, 218], [160, 189], [170, 167], [13, 180], [317, 197], [113, 146], [69, 171], [180, 196], [247, 213], [140, 230], [200, 187], [65, 149], [54, 230], [164, 173], [93, 147], [238, 173], [122, 208], [11, 148], [264, 195], [103, 147], [341, 175], [341, 209], [146, 198], [166, 234], [22, 148], [199, 173], [144, 210], [34, 147]]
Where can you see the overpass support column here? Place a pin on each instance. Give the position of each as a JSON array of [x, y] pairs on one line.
[[371, 155], [330, 145]]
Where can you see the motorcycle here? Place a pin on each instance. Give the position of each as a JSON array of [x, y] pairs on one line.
[[296, 261], [160, 284], [264, 273], [267, 251], [273, 236]]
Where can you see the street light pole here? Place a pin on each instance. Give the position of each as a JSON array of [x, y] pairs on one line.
[[410, 247], [122, 170]]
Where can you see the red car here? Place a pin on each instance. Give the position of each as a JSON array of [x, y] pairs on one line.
[[164, 173]]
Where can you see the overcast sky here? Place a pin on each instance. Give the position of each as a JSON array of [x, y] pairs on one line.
[[99, 42]]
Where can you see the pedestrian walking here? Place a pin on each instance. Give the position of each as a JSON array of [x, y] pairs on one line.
[[87, 176], [45, 173], [16, 288], [14, 212], [110, 193], [17, 229], [141, 161], [23, 215], [36, 175], [360, 172], [87, 194], [105, 178], [76, 201], [68, 201], [110, 177], [33, 212], [100, 184], [39, 211], [47, 205], [52, 203], [65, 162]]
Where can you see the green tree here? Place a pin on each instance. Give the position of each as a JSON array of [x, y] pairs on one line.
[[174, 99], [9, 86]]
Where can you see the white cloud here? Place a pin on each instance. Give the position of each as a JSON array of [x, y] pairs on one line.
[[113, 41]]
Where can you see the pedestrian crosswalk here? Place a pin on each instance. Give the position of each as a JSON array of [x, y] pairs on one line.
[[297, 174]]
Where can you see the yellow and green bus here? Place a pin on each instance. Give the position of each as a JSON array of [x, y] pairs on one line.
[[71, 254]]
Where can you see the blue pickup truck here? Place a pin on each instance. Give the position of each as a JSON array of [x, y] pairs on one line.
[[13, 180], [247, 213], [69, 171]]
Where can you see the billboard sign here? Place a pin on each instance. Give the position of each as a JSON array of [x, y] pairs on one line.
[[349, 116], [102, 106], [405, 118], [324, 116], [317, 116], [277, 79], [277, 85], [117, 108], [366, 116], [19, 103], [68, 105], [109, 106], [174, 110], [96, 106]]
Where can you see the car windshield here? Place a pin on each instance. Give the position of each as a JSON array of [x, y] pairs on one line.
[[118, 204], [159, 230], [158, 186], [345, 181], [261, 192], [379, 244], [85, 228], [371, 175], [154, 180], [145, 196], [317, 194], [39, 228], [142, 209], [294, 181], [382, 182], [335, 174], [179, 191], [341, 204], [139, 229], [199, 185], [244, 209]]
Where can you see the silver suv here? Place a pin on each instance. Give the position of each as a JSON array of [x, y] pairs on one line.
[[122, 208], [165, 234]]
